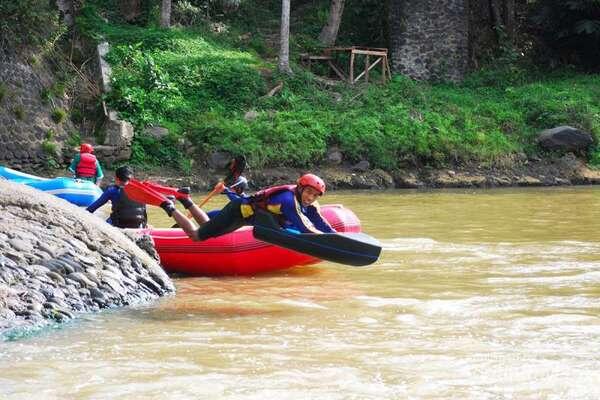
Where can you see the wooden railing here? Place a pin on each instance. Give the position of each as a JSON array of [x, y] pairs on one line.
[[331, 55]]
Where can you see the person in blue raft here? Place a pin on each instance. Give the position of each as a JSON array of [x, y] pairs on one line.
[[125, 213], [295, 207]]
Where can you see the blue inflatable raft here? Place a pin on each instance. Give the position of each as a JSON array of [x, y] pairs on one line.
[[78, 192]]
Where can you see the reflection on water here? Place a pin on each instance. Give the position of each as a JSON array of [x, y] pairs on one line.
[[478, 294]]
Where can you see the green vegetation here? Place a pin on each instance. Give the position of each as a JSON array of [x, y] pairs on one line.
[[26, 22], [3, 91], [200, 84], [19, 112], [56, 90], [76, 115], [58, 115], [73, 140], [50, 148]]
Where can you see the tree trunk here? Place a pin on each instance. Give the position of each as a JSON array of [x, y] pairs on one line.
[[510, 19], [165, 14], [497, 23], [130, 9], [284, 44], [329, 32]]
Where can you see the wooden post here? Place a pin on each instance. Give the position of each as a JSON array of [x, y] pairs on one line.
[[367, 64], [383, 64]]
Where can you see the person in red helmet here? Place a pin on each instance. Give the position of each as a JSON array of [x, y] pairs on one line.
[[295, 207], [85, 165]]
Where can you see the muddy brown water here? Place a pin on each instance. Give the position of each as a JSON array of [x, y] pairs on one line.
[[489, 294]]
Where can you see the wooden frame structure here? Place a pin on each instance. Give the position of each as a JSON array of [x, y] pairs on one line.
[[331, 54]]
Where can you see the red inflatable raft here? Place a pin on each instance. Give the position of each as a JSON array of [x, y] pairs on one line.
[[238, 253]]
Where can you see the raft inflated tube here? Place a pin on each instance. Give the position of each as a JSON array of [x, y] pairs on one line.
[[239, 252], [13, 175], [355, 249], [76, 191]]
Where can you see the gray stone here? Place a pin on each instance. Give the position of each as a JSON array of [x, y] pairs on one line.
[[362, 166], [250, 115], [157, 132], [20, 245], [565, 139], [65, 278], [334, 156], [219, 159]]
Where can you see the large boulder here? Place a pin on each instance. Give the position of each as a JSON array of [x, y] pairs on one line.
[[57, 260], [565, 139]]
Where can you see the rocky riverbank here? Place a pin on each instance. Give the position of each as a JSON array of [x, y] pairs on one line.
[[57, 260], [556, 171]]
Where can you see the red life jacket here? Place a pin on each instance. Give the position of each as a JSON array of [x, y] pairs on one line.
[[87, 166], [261, 198]]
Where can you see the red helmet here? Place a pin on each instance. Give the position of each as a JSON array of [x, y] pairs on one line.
[[313, 181], [86, 148]]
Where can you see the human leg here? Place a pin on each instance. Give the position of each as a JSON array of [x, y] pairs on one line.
[[228, 220]]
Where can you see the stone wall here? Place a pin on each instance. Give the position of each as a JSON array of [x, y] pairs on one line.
[[25, 115], [26, 105], [429, 38], [119, 133]]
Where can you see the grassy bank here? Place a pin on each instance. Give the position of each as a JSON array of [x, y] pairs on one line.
[[200, 85]]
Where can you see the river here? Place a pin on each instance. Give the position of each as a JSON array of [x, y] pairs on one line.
[[483, 294]]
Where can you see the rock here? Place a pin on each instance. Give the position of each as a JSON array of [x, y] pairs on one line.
[[569, 162], [451, 179], [334, 156], [250, 115], [384, 179], [565, 139], [561, 182], [245, 36], [144, 242], [588, 176], [219, 159], [362, 166], [156, 132], [82, 279], [406, 180], [48, 270], [528, 181]]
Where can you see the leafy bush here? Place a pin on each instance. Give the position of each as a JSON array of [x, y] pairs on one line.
[[149, 151]]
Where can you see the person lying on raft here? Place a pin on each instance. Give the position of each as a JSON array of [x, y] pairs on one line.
[[295, 206], [125, 213]]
